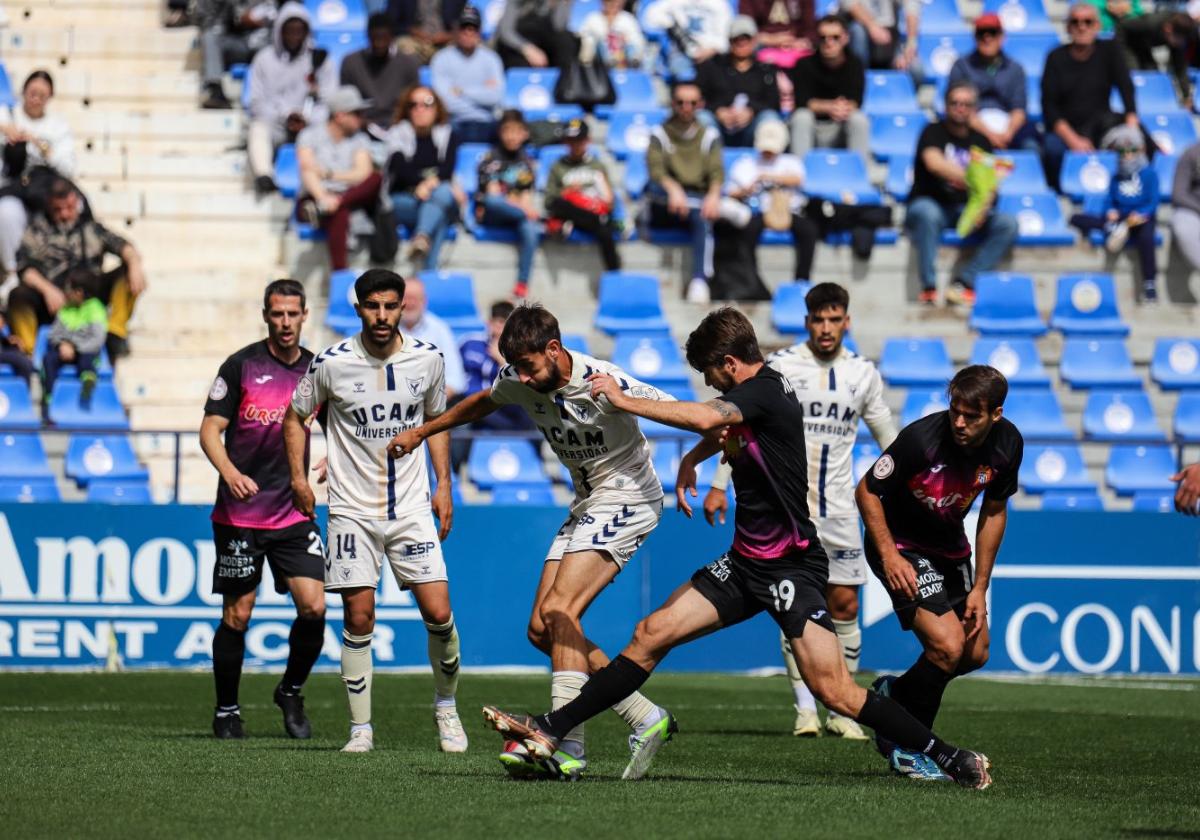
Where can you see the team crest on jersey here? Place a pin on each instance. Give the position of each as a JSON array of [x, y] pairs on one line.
[[983, 476], [219, 389], [304, 387], [360, 388], [582, 410], [883, 467], [415, 385], [539, 408]]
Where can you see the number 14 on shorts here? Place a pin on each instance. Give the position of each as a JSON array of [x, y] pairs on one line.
[[345, 543]]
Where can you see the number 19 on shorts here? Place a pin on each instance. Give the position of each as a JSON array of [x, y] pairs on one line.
[[784, 593]]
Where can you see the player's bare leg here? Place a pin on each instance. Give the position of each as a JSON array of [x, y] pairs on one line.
[[433, 600], [304, 646], [228, 652], [843, 609], [359, 626]]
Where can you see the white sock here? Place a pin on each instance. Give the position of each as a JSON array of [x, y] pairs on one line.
[[804, 697], [565, 687], [638, 712], [444, 659], [356, 674], [363, 727]]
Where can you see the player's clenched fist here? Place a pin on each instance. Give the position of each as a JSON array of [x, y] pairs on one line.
[[304, 500], [404, 443], [606, 386]]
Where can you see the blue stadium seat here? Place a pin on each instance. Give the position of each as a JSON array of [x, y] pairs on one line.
[[1021, 16], [425, 75], [341, 317], [22, 456], [452, 298], [1145, 469], [629, 131], [637, 176], [119, 493], [491, 11], [1176, 363], [287, 171], [238, 72], [580, 9], [337, 15], [863, 457], [915, 363], [1187, 417], [1030, 50], [836, 173], [788, 309], [531, 90], [890, 92], [667, 454], [1097, 363], [629, 303], [1087, 174], [1172, 132], [635, 92], [1033, 98], [1005, 305], [1086, 304], [104, 369], [1154, 93], [523, 494], [105, 412], [1039, 219], [16, 405], [938, 16], [466, 166], [899, 176], [340, 44], [1027, 176], [1164, 165], [29, 491], [495, 461], [1120, 415], [1057, 468], [1151, 502], [576, 343], [1016, 357], [7, 100], [102, 457], [1069, 500], [651, 358], [920, 403], [1037, 413], [895, 135], [938, 52]]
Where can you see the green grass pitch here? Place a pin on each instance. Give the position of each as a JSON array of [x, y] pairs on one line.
[[131, 755]]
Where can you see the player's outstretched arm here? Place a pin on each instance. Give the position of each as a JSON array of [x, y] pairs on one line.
[[690, 416], [293, 444], [475, 407], [900, 575], [211, 429], [993, 518]]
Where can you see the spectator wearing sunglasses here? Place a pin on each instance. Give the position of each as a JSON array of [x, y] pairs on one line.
[[1001, 116], [829, 93]]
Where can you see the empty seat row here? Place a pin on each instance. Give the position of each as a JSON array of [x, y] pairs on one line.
[[17, 410]]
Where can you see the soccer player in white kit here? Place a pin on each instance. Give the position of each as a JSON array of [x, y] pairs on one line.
[[374, 385], [836, 387], [618, 501]]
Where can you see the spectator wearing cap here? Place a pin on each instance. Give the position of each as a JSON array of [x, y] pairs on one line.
[[786, 28], [875, 33], [231, 32], [1076, 85], [336, 172], [579, 195], [534, 33], [424, 26], [696, 29], [507, 175], [380, 71], [741, 91], [828, 88], [1001, 116], [469, 78], [287, 82], [615, 34], [1185, 200]]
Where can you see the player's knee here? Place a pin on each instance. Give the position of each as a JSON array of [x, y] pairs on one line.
[[311, 611], [650, 638], [973, 659], [835, 692], [236, 616], [438, 615], [557, 619], [843, 607], [536, 633], [945, 653], [360, 620]]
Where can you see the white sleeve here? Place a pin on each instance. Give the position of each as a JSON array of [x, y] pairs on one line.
[[743, 173], [435, 391], [660, 15], [311, 390], [504, 388], [876, 414]]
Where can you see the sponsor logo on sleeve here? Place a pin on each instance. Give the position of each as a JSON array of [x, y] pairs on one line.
[[305, 387], [883, 467], [218, 390]]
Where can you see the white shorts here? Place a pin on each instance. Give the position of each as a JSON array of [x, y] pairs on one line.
[[615, 529], [355, 548], [843, 544]]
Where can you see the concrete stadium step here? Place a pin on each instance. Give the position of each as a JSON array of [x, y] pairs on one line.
[[167, 314], [81, 41], [201, 206], [147, 125], [185, 342], [132, 15], [244, 289]]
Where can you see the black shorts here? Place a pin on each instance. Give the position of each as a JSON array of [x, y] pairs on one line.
[[942, 584], [294, 551], [791, 589]]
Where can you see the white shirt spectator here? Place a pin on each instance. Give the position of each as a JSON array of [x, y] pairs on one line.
[[748, 169], [706, 22], [620, 43], [435, 331], [53, 129]]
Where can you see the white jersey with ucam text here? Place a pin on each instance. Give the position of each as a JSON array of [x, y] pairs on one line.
[[834, 395], [369, 402], [603, 448]]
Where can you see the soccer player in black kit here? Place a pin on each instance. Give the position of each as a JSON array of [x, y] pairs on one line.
[[913, 502], [776, 562]]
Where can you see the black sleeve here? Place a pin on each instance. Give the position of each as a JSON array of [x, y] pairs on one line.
[[402, 173], [981, 141], [898, 463], [1122, 79], [802, 86], [857, 88], [1005, 484], [448, 162], [755, 398], [928, 138], [716, 94], [225, 396], [1051, 91], [768, 90]]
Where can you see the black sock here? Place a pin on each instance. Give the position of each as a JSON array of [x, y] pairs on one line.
[[304, 643], [229, 647], [889, 719], [607, 687], [920, 689]]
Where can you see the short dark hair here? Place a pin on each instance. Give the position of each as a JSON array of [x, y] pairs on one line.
[[981, 386], [83, 278], [502, 309], [835, 19], [725, 332], [528, 329], [378, 280], [380, 20], [287, 287], [962, 86], [678, 83], [36, 75], [825, 295], [61, 188], [512, 115]]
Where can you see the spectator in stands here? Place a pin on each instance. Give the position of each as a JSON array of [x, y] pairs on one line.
[[469, 78], [534, 33], [482, 361], [771, 185], [422, 150], [11, 353], [38, 148], [1173, 31], [579, 194], [1000, 80], [76, 336], [380, 71], [1185, 196], [1112, 13], [939, 195], [616, 33], [875, 33], [336, 172], [787, 28], [507, 175], [417, 321], [231, 32], [1187, 495], [686, 176], [829, 94], [740, 90], [424, 26], [1076, 85], [697, 30], [56, 242], [1127, 215], [287, 83]]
